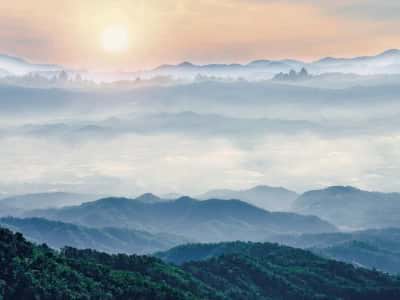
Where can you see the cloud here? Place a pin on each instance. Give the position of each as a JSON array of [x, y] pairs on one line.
[[174, 31], [385, 11], [374, 10], [185, 162]]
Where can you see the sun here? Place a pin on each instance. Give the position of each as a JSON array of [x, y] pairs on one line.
[[115, 39]]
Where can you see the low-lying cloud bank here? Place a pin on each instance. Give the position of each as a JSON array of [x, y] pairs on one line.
[[196, 137]]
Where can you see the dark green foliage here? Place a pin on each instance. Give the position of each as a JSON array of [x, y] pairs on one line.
[[239, 271], [37, 272], [270, 271], [196, 252]]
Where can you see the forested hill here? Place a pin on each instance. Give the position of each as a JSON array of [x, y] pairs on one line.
[[256, 271], [37, 272]]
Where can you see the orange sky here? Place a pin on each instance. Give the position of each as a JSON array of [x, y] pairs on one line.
[[202, 31]]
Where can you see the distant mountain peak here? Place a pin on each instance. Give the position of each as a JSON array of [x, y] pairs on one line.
[[335, 189], [350, 207], [186, 64], [327, 59], [263, 196], [148, 198], [186, 199], [47, 200], [259, 62], [267, 187], [21, 66], [13, 58], [265, 68], [390, 52], [342, 189]]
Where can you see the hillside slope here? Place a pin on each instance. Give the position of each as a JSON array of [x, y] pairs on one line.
[[350, 207], [266, 197], [375, 248], [205, 221], [111, 240], [47, 200], [259, 271]]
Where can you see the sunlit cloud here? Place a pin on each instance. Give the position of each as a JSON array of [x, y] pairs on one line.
[[174, 31]]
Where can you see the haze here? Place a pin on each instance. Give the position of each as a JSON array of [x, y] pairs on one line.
[[173, 31], [95, 103]]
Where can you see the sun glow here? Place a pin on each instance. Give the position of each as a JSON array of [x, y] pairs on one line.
[[115, 39]]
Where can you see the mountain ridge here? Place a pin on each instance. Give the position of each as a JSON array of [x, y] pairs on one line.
[[47, 200], [263, 196], [58, 234], [260, 271], [21, 66], [388, 52], [206, 220], [350, 207], [373, 248]]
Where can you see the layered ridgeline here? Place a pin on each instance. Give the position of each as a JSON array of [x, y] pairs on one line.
[[18, 66], [206, 221], [386, 62], [266, 197], [375, 249], [349, 207], [6, 210], [244, 271], [46, 200], [112, 240]]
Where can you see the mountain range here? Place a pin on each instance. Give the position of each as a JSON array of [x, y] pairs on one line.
[[149, 223], [346, 207], [111, 240], [266, 197], [206, 221], [386, 62], [6, 210], [374, 248], [46, 200], [243, 271], [19, 66], [351, 208]]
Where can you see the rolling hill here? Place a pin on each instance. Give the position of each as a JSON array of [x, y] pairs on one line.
[[375, 248], [6, 210], [349, 207], [386, 238], [205, 221], [111, 240], [363, 254], [266, 197], [255, 271], [47, 200]]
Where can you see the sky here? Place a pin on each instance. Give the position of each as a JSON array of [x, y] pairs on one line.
[[202, 31]]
